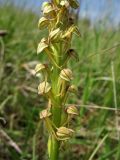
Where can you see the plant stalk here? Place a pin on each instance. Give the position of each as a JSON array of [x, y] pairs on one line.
[[56, 112]]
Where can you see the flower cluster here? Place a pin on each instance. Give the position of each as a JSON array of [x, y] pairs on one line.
[[56, 85]]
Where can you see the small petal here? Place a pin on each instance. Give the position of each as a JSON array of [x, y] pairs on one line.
[[39, 67], [42, 45]]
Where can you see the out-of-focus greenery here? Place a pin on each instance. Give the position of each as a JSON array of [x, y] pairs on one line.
[[96, 74]]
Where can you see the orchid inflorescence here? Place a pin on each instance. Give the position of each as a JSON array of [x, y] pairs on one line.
[[56, 85]]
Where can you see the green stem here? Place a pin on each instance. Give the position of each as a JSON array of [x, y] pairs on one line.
[[56, 111], [55, 144], [54, 148]]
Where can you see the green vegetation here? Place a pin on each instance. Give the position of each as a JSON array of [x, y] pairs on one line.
[[97, 75]]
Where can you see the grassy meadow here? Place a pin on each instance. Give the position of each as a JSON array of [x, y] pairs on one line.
[[97, 75]]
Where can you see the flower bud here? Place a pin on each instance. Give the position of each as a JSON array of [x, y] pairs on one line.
[[64, 133], [42, 45], [45, 113], [72, 53], [73, 89], [66, 74], [74, 4], [43, 22], [44, 88], [72, 110]]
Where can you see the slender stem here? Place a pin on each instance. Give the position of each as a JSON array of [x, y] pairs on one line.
[[54, 148], [56, 109], [55, 144]]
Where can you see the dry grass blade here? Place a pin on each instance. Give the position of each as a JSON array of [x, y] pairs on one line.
[[4, 136], [95, 107], [4, 103]]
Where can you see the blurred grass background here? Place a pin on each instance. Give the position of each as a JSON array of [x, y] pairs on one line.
[[97, 75]]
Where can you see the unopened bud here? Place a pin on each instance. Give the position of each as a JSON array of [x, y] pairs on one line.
[[66, 74], [74, 4], [73, 89], [45, 113], [72, 53], [72, 110]]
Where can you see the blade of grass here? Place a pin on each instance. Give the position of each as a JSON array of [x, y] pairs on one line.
[[34, 148], [98, 146], [115, 99]]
